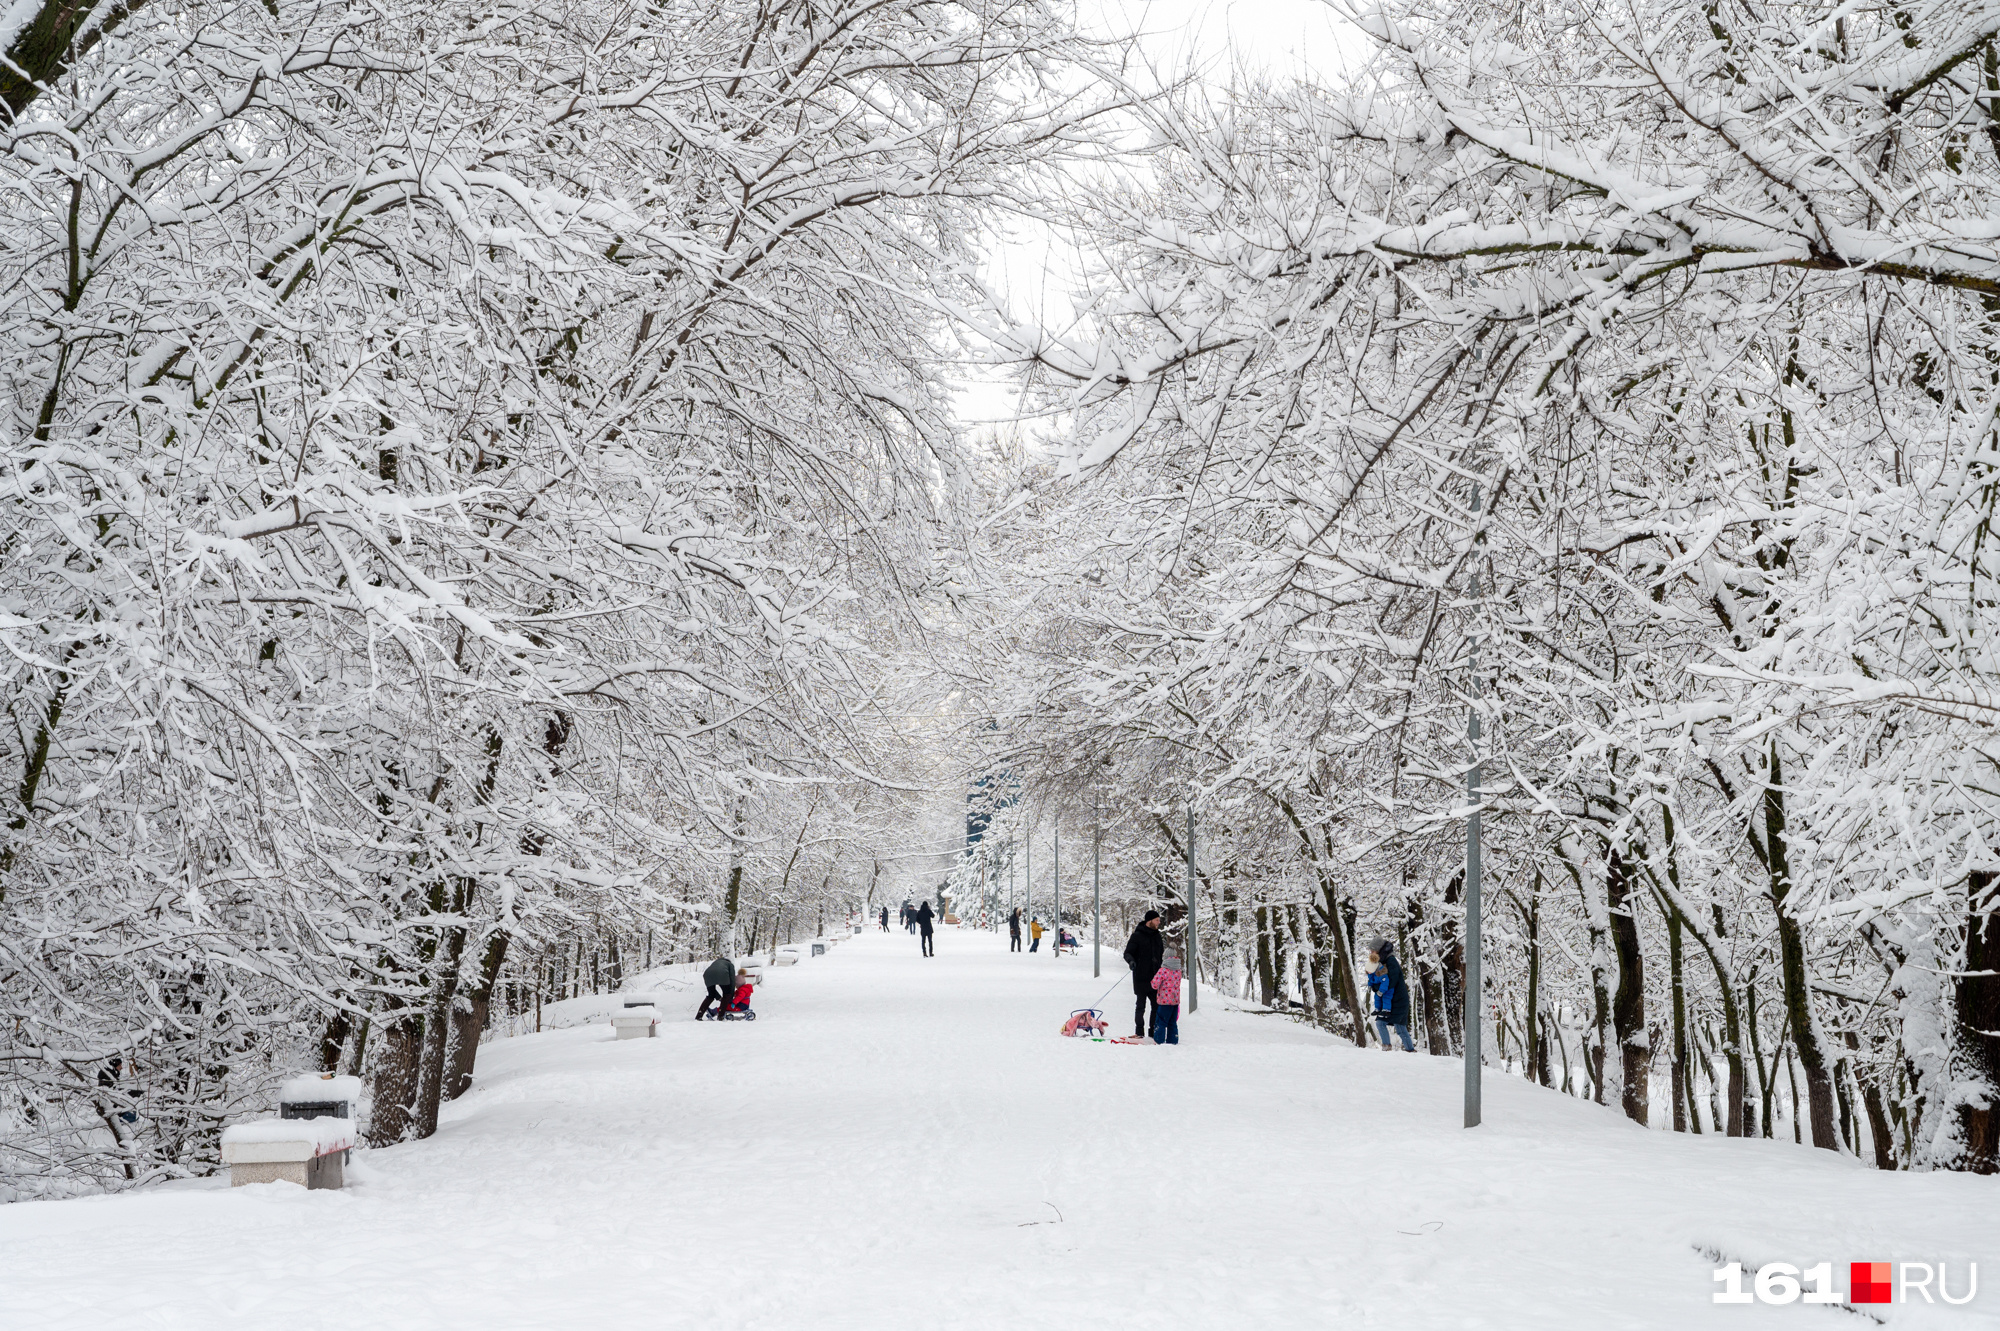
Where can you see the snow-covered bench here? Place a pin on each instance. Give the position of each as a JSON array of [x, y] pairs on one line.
[[307, 1151], [636, 1024]]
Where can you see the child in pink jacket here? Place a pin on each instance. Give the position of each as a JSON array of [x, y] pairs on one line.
[[1167, 1010]]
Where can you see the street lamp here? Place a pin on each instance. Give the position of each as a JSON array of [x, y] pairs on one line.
[[1473, 1001]]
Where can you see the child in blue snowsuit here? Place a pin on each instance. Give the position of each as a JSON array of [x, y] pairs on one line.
[[1390, 996]]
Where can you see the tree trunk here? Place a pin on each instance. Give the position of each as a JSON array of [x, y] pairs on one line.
[[1430, 981], [1792, 956], [49, 37], [469, 1020], [1871, 1104], [1451, 967], [1537, 1051], [332, 1040], [1596, 1039], [1975, 989], [1628, 1005], [732, 897], [1267, 978], [1764, 1076], [356, 1054], [1683, 1083], [438, 1022], [393, 1079]]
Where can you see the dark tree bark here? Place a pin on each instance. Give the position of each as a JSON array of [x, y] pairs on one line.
[[333, 1039], [1871, 1104], [469, 1018], [1537, 1053], [1267, 974], [1976, 1006], [1451, 966], [437, 1026], [1683, 1082], [1792, 957], [1598, 1037], [393, 1078], [49, 43], [1430, 983], [732, 899], [1628, 1005]]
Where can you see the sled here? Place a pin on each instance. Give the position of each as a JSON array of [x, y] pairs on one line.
[[1085, 1023]]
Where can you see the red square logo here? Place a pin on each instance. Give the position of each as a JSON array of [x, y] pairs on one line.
[[1868, 1282]]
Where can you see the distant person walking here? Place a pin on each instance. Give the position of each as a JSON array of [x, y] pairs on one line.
[[1143, 953], [720, 977], [909, 917], [1014, 930], [1391, 996], [1167, 1001], [885, 919], [924, 918], [1034, 935]]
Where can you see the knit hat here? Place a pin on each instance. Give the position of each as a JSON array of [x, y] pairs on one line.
[[1380, 946], [1150, 915]]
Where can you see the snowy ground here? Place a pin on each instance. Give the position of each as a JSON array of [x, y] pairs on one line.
[[902, 1142]]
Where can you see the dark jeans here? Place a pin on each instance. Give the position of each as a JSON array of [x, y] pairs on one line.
[[1144, 989], [1014, 942], [1035, 946], [1166, 1023], [1402, 1028], [715, 995], [927, 944]]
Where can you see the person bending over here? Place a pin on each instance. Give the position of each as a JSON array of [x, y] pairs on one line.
[[720, 977]]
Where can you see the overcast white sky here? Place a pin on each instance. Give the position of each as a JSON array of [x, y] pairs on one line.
[[1276, 37]]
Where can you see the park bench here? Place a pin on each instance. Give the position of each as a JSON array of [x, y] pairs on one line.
[[310, 1152], [637, 1021]]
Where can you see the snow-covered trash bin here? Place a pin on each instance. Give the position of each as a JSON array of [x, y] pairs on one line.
[[642, 1000], [634, 1025], [320, 1095], [819, 949], [310, 1152]]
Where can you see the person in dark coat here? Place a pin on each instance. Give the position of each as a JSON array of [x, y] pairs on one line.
[[924, 918], [885, 919], [1014, 930], [1391, 996], [720, 977], [1143, 954]]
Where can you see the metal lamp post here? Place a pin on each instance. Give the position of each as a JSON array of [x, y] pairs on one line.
[[1473, 1001], [1193, 917], [1096, 891]]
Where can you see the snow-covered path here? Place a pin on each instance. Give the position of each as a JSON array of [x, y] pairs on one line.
[[902, 1142]]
